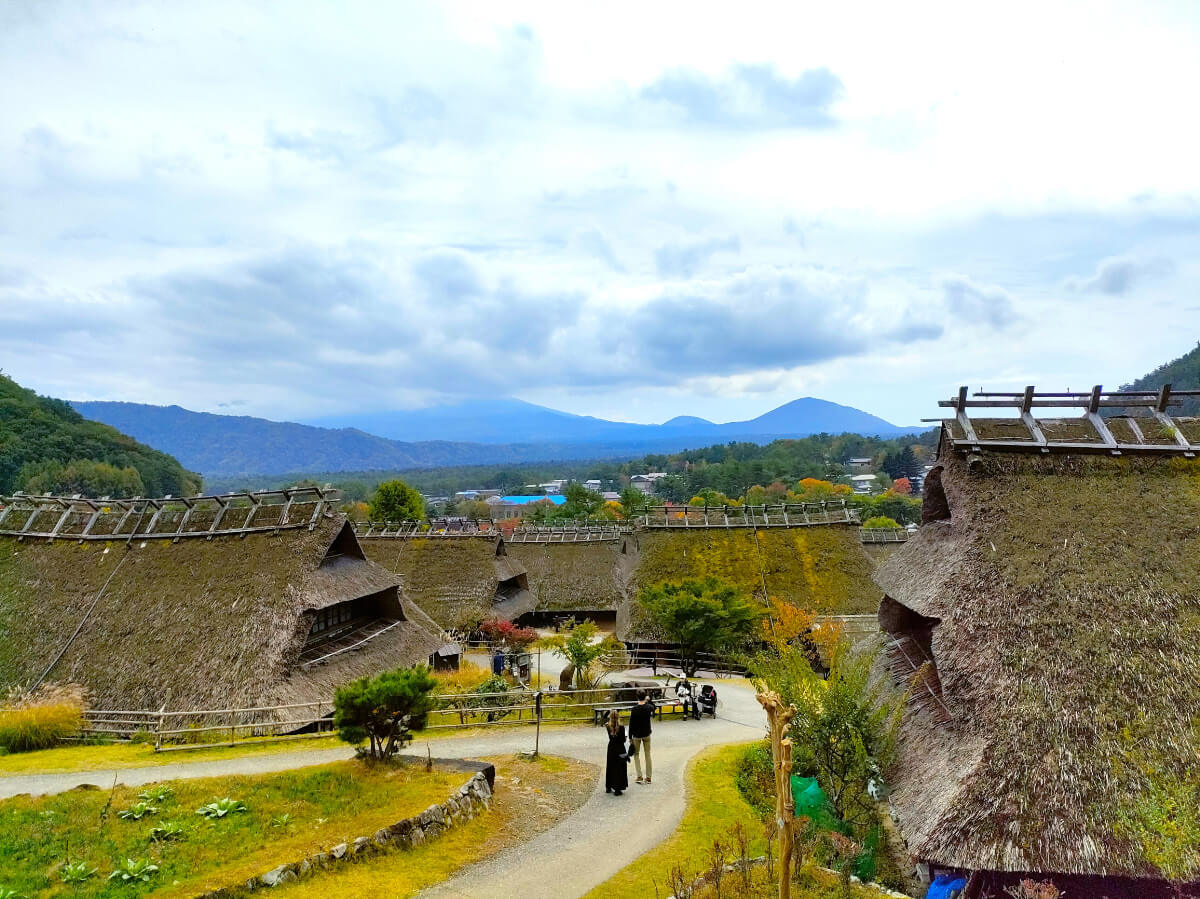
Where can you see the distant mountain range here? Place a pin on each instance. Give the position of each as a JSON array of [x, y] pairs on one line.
[[515, 421], [481, 432]]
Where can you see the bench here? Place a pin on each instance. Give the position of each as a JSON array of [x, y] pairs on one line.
[[601, 710]]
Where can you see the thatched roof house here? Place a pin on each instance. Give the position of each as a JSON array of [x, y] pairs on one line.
[[1047, 618], [200, 603]]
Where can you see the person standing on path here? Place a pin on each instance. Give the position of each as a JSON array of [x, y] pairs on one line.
[[616, 769], [639, 734]]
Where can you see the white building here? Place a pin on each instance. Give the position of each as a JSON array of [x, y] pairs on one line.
[[863, 483]]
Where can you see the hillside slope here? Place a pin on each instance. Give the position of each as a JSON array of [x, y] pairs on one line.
[[1182, 374], [47, 445]]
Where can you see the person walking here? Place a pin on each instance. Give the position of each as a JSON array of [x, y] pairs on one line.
[[616, 768], [639, 735]]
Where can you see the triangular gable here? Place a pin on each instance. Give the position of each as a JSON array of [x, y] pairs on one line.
[[345, 544]]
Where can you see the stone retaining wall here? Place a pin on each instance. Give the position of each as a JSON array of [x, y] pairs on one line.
[[472, 798]]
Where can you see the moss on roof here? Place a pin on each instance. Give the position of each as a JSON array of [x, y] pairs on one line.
[[1068, 589], [820, 568], [573, 576]]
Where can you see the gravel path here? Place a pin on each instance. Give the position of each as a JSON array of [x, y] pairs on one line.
[[574, 856]]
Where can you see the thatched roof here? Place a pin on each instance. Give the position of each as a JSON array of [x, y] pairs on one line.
[[452, 579], [1067, 589], [574, 576], [199, 623]]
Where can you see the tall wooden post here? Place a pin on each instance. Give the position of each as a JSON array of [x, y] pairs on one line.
[[779, 716]]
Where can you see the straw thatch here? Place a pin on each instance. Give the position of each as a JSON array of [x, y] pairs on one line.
[[574, 576], [454, 580], [201, 623], [1066, 590]]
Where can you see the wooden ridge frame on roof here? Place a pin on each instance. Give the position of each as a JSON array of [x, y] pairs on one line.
[[173, 518], [434, 527], [779, 515], [1060, 435]]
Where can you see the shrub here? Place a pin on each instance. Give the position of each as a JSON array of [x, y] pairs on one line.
[[381, 708], [880, 521], [506, 632], [159, 794], [42, 719], [755, 778]]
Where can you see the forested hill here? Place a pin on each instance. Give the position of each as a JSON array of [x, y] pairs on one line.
[[48, 447], [1182, 374]]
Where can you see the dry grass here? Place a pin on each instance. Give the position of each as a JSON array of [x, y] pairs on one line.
[[47, 717]]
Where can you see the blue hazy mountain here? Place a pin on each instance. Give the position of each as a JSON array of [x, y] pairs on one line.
[[482, 432], [515, 421]]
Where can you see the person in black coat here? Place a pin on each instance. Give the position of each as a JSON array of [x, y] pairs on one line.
[[616, 771]]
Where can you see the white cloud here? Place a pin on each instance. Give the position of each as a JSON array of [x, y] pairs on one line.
[[428, 199]]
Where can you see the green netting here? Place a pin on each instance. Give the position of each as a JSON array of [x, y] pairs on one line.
[[812, 803]]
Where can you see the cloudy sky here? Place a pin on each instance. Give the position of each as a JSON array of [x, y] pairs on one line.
[[630, 210]]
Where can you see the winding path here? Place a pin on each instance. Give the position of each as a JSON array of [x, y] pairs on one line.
[[585, 849]]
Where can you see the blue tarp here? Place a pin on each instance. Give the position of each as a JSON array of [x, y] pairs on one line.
[[946, 886]]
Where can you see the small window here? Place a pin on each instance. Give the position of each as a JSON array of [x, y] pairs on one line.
[[334, 616]]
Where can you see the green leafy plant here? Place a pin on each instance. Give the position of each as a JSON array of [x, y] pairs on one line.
[[700, 616], [283, 820], [137, 811], [10, 894], [133, 870], [75, 872], [380, 708], [168, 830], [219, 808], [157, 794]]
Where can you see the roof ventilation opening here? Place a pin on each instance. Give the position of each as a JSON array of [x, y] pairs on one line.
[[935, 506], [909, 650], [501, 548], [344, 544]]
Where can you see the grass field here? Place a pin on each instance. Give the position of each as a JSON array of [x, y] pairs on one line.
[[531, 796], [714, 807], [325, 805]]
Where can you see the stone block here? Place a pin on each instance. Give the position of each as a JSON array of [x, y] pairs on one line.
[[361, 844], [275, 876], [382, 837], [339, 851], [433, 831], [417, 837]]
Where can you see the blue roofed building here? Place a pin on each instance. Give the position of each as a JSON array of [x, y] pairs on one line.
[[514, 506]]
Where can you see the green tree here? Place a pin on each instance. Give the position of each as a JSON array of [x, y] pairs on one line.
[[880, 521], [633, 501], [396, 501], [700, 616], [354, 491], [380, 708], [845, 724], [580, 647], [82, 476]]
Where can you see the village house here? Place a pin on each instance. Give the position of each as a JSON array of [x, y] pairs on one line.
[[1045, 622], [206, 602], [503, 507], [863, 483], [646, 482], [859, 465]]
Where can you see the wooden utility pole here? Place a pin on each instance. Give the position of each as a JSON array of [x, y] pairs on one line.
[[779, 716]]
